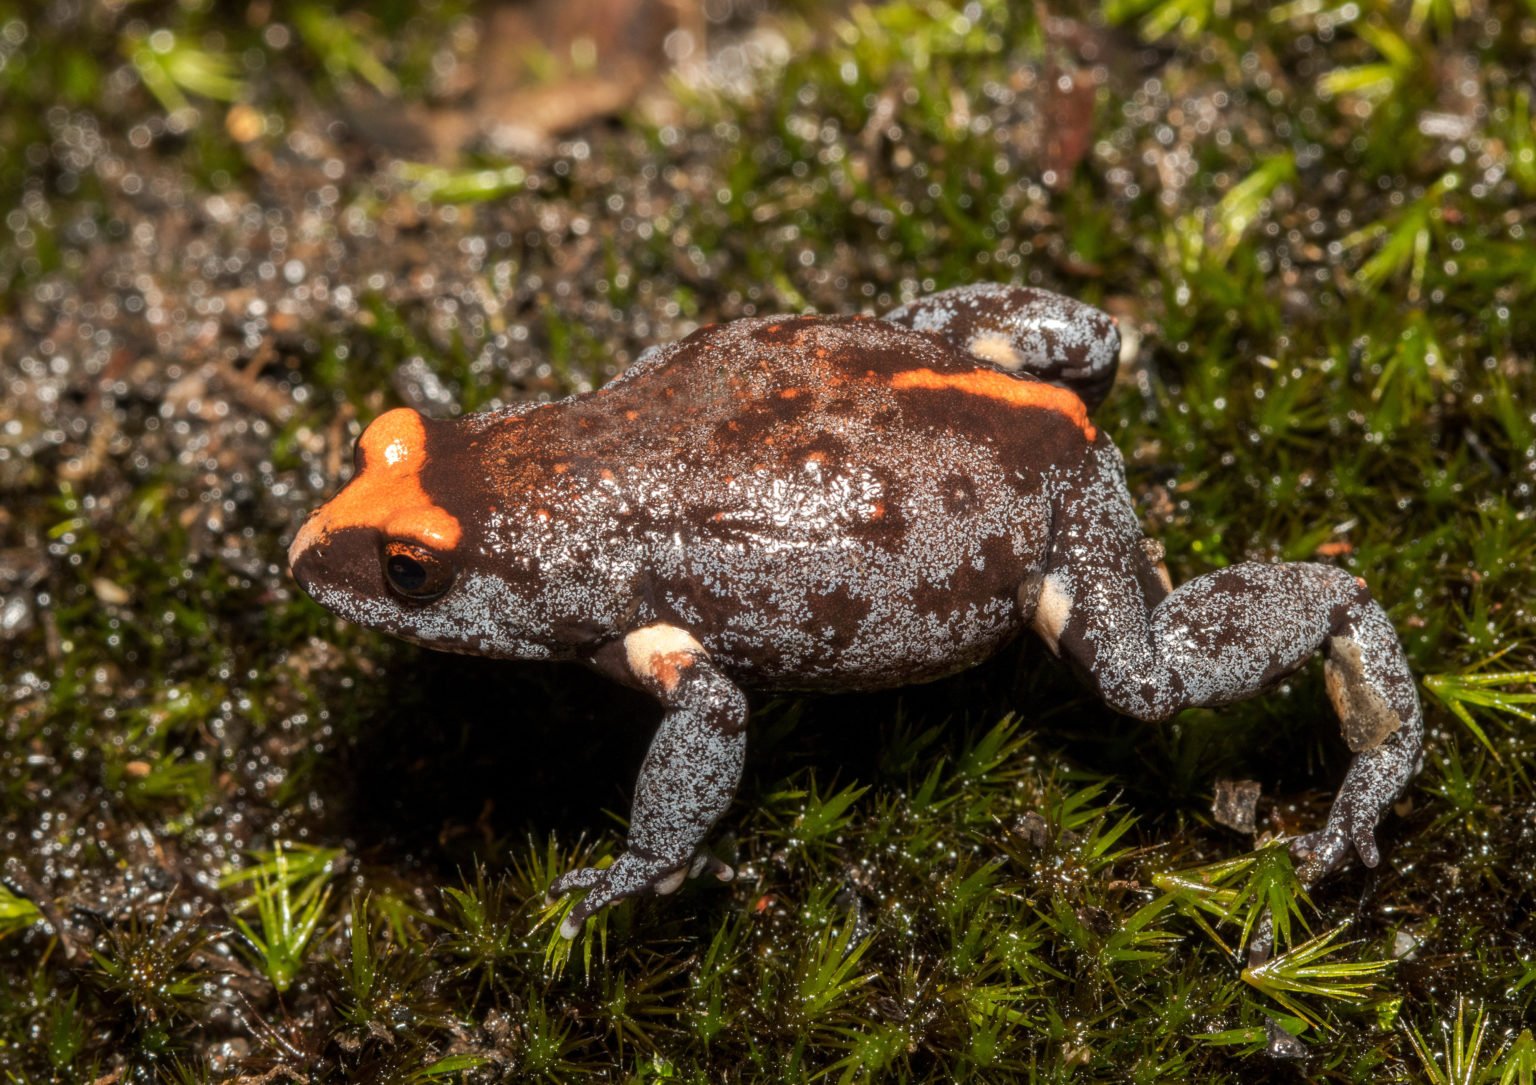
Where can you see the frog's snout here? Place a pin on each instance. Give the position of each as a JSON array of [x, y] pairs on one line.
[[305, 553], [330, 563], [304, 541], [319, 554]]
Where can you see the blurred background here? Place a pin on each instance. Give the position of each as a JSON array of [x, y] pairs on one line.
[[243, 841]]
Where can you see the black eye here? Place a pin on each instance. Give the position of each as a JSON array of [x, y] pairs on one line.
[[407, 574], [415, 572]]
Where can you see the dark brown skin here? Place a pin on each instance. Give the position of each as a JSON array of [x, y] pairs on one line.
[[832, 503]]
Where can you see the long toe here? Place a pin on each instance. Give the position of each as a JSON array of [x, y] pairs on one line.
[[1365, 846], [581, 878], [704, 863]]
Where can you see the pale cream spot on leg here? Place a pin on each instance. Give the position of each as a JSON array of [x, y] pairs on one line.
[[1365, 717], [672, 881], [1051, 612], [660, 653], [998, 350]]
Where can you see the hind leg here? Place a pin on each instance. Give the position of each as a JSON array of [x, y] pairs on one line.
[[1228, 635], [1020, 329]]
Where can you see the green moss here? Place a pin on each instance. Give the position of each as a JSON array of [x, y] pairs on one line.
[[1315, 220]]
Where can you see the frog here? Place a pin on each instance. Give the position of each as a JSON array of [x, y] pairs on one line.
[[834, 503]]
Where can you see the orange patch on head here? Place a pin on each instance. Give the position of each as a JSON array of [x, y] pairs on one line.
[[386, 494], [1005, 389]]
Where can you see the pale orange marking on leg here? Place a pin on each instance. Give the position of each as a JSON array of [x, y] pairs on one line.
[[667, 669], [660, 654], [1013, 391], [387, 493]]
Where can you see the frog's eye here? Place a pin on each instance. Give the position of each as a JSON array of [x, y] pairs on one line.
[[415, 572]]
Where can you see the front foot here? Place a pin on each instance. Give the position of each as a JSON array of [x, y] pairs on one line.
[[630, 875]]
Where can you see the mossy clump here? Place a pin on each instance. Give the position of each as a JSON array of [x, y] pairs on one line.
[[245, 842]]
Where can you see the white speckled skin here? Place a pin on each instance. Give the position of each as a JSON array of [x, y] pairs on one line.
[[1021, 329], [834, 503]]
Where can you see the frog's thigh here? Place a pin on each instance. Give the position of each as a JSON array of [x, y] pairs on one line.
[[1233, 633]]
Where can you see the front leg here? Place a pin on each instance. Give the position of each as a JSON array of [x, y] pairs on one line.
[[688, 779]]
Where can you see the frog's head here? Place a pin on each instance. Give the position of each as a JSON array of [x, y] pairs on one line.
[[397, 548]]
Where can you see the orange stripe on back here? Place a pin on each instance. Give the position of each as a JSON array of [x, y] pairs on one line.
[[1013, 391], [387, 493]]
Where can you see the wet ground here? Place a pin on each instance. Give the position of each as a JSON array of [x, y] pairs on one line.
[[228, 247]]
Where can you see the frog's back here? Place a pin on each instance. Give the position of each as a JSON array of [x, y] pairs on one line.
[[773, 382], [834, 501]]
